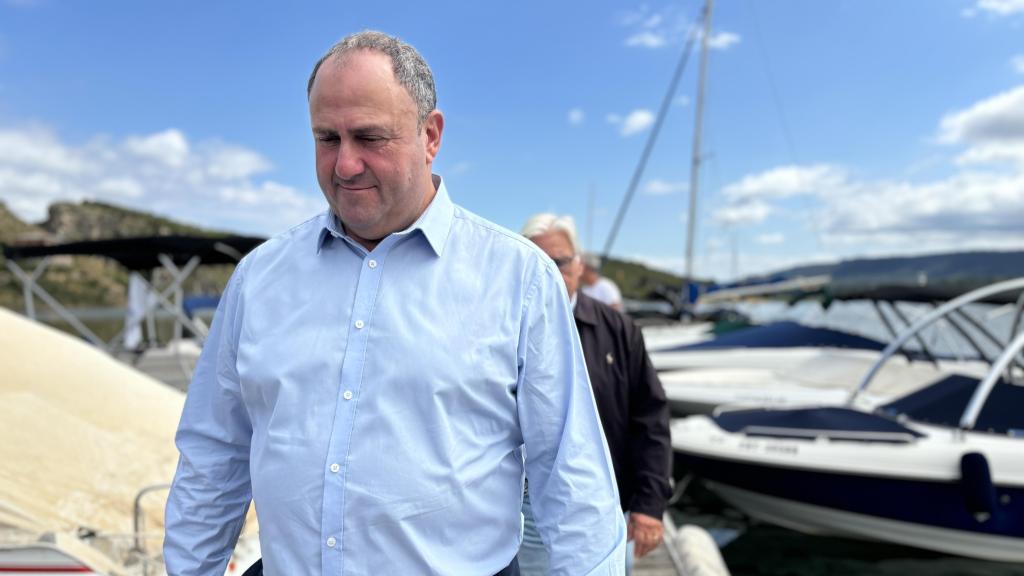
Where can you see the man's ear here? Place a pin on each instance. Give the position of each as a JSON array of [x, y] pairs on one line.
[[433, 126]]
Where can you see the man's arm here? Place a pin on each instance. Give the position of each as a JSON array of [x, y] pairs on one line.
[[650, 445], [211, 491], [572, 485]]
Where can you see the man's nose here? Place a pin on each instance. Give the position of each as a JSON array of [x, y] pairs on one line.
[[349, 163]]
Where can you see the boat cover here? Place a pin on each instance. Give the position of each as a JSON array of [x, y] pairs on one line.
[[143, 253], [784, 334], [82, 434]]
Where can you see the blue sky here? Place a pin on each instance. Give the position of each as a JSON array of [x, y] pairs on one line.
[[833, 129]]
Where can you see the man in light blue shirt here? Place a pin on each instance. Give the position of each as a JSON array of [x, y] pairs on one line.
[[375, 375]]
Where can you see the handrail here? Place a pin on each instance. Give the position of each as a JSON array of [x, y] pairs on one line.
[[855, 435], [137, 519], [970, 415], [929, 319]]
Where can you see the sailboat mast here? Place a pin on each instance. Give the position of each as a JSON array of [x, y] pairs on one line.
[[698, 123]]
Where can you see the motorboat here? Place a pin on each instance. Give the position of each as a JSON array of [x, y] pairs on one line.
[[818, 377], [776, 345], [86, 458], [940, 468], [669, 336]]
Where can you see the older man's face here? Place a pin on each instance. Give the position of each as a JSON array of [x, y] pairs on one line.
[[372, 160], [556, 245]]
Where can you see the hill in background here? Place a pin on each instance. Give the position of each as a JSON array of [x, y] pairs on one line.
[[84, 281]]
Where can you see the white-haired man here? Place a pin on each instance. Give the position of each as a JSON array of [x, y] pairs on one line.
[[374, 375], [629, 396]]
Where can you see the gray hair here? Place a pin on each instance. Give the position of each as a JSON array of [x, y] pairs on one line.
[[540, 224], [410, 69]]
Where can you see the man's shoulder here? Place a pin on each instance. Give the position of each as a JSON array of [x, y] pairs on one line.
[[301, 236], [472, 227]]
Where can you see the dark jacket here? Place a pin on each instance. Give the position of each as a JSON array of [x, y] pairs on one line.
[[631, 402]]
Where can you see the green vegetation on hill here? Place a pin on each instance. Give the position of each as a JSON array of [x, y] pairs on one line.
[[638, 282]]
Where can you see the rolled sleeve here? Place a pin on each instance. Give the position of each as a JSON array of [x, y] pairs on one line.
[[211, 491], [572, 484]]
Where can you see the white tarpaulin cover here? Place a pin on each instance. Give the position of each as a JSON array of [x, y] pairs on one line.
[[82, 434]]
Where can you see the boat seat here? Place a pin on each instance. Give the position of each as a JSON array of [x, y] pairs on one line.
[[944, 402]]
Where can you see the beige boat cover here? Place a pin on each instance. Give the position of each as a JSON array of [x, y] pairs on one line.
[[80, 435]]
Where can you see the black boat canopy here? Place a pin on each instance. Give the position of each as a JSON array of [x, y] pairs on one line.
[[143, 253]]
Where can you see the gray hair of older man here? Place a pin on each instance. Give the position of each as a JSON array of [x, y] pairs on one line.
[[410, 69], [540, 224]]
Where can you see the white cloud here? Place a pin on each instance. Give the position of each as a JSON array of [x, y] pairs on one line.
[[169, 147], [992, 129], [786, 181], [771, 239], [723, 40], [637, 121], [232, 163], [681, 101], [664, 187], [210, 184], [998, 118], [999, 153], [654, 29], [1018, 63], [647, 39], [1000, 7], [576, 116], [750, 212], [669, 27], [967, 209], [123, 187], [39, 149]]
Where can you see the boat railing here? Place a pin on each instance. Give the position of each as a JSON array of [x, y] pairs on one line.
[[1000, 365], [981, 393], [139, 535]]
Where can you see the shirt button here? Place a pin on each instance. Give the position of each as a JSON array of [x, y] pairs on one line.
[[360, 324], [372, 263], [331, 542], [335, 468], [347, 396]]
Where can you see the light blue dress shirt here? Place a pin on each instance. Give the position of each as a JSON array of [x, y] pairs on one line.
[[376, 407]]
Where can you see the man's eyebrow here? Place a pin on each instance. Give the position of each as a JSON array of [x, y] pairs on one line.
[[370, 129]]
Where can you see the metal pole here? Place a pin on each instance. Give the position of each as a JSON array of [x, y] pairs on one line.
[[698, 124]]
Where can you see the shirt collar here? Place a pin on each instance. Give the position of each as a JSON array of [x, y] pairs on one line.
[[435, 223], [585, 311]]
